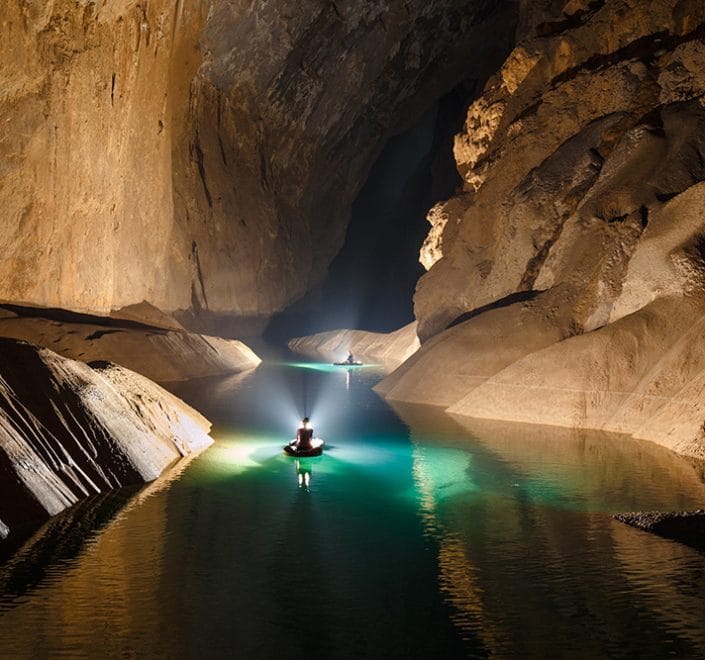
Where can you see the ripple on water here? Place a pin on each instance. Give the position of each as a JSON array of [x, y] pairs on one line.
[[416, 537]]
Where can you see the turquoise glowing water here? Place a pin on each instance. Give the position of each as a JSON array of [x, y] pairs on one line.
[[410, 537]]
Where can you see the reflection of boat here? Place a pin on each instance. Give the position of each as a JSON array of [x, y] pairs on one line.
[[348, 364], [316, 448]]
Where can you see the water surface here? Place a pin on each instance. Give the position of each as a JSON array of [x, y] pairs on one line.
[[412, 536]]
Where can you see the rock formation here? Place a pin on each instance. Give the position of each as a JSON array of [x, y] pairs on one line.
[[389, 349], [686, 527], [203, 155], [565, 281], [69, 430], [139, 338]]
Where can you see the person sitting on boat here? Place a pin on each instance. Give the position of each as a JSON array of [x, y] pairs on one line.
[[350, 359], [304, 435]]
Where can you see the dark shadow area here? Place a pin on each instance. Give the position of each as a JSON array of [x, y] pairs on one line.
[[519, 296], [67, 316], [372, 280], [686, 527], [29, 552]]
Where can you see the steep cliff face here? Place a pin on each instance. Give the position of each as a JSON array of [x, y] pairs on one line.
[[94, 102], [203, 155], [68, 431], [570, 267], [593, 123]]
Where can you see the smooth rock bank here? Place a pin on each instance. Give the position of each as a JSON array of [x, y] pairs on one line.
[[390, 349], [69, 430]]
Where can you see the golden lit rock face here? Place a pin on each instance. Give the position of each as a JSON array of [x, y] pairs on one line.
[[163, 354], [202, 156], [591, 125], [68, 431], [566, 286], [94, 98]]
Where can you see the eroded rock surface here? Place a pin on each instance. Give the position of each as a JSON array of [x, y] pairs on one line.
[[565, 281], [203, 155], [160, 352], [390, 349], [69, 430]]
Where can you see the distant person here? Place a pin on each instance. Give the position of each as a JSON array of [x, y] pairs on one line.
[[304, 435], [350, 359]]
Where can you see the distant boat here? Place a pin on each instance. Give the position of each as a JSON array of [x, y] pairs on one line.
[[316, 448], [348, 364]]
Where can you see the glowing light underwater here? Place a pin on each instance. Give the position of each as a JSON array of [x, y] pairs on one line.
[[439, 473], [329, 368], [238, 453]]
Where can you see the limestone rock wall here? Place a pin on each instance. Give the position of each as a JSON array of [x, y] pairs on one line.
[[94, 102], [564, 281], [203, 155], [593, 123], [68, 431]]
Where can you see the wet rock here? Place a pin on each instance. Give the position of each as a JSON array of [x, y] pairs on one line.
[[69, 430], [687, 527]]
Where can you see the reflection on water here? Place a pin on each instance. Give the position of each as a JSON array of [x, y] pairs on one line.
[[303, 473], [412, 536], [525, 543]]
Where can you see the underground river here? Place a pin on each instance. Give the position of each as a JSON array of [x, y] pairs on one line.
[[412, 536]]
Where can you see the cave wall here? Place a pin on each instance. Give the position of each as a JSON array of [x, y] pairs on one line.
[[94, 101], [593, 123], [565, 281], [202, 156]]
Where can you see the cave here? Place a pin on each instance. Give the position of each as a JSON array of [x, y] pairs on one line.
[[370, 282], [352, 329]]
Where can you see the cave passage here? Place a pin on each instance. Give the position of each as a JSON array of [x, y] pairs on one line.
[[410, 537], [371, 282]]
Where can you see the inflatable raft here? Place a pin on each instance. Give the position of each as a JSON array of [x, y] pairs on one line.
[[316, 448]]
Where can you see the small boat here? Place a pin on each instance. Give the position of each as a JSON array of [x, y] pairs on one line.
[[316, 448], [347, 364]]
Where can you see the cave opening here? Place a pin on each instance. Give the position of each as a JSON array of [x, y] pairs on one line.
[[371, 282]]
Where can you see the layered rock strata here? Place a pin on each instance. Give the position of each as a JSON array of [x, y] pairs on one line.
[[203, 155], [163, 352], [389, 349], [69, 430], [565, 281]]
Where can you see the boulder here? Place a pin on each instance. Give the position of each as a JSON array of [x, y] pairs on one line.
[[69, 430]]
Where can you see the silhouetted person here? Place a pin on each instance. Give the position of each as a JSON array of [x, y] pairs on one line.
[[304, 435], [350, 359]]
